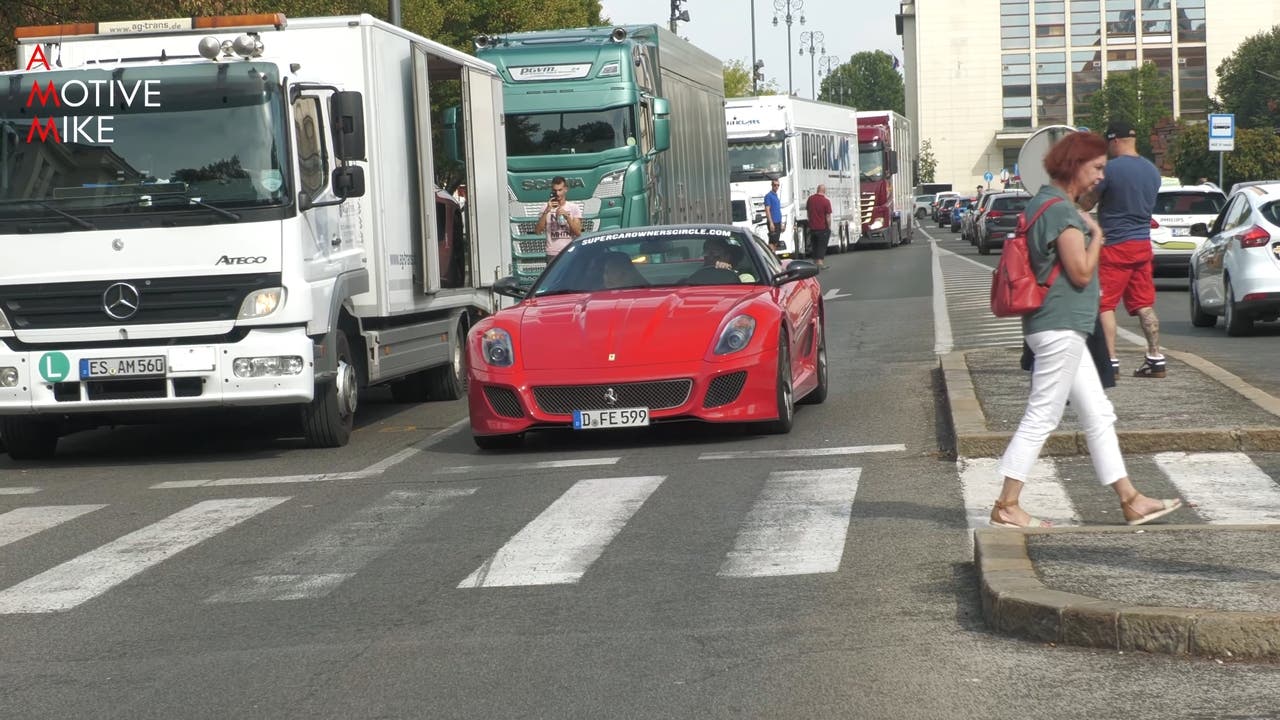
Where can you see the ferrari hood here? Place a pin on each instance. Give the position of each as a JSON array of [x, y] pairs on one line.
[[625, 327]]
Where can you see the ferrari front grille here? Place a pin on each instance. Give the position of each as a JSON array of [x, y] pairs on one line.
[[504, 401], [654, 395], [724, 389]]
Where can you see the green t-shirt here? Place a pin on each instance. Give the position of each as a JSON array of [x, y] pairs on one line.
[[1066, 307]]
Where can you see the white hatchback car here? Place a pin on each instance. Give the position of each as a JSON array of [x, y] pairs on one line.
[[1235, 273], [1178, 208]]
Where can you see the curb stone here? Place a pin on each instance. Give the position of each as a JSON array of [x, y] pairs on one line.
[[1015, 602]]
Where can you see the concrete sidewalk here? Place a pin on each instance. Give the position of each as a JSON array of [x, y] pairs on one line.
[[1202, 590]]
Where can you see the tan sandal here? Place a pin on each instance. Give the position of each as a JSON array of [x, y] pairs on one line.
[[1032, 522], [1133, 517]]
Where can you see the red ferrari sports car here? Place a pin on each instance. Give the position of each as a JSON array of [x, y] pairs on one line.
[[645, 325]]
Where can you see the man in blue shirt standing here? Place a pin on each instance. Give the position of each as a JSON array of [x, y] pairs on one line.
[[773, 213], [1126, 198]]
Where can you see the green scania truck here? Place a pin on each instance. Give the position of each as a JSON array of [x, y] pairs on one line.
[[632, 117]]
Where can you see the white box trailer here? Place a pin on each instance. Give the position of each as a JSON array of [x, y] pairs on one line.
[[802, 144], [238, 211]]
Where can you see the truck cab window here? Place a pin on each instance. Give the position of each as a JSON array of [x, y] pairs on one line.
[[312, 156]]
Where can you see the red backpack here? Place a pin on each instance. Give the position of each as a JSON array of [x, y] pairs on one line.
[[1014, 290]]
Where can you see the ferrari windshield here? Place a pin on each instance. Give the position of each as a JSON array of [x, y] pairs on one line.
[[110, 147], [667, 257]]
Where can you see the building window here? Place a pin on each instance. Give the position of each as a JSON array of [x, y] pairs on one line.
[[1122, 21], [1015, 25], [1193, 82], [1010, 157], [1086, 78], [1015, 79], [1121, 60], [1156, 23], [1162, 59], [1051, 88], [1086, 29], [1191, 21]]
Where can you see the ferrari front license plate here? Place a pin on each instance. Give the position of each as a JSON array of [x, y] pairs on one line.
[[613, 418]]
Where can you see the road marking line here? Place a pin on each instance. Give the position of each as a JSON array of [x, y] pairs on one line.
[[540, 465], [559, 545], [943, 341], [315, 568], [373, 470], [801, 452], [1225, 487], [26, 521], [85, 577], [1043, 495], [797, 525], [19, 491]]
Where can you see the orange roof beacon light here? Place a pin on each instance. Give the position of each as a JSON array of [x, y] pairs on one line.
[[258, 21]]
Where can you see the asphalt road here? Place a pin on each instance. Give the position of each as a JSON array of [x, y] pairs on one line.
[[204, 571]]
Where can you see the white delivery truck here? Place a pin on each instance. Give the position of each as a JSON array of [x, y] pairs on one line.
[[802, 144], [239, 211]]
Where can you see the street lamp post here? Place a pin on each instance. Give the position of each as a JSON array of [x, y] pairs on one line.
[[812, 40], [678, 14], [790, 9], [755, 71], [827, 65]]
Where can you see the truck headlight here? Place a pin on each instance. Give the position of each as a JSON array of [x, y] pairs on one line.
[[736, 335], [261, 303], [610, 184], [879, 223], [8, 377], [496, 347], [276, 366], [4, 322]]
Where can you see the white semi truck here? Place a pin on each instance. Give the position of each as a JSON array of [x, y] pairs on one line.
[[239, 212], [802, 144]]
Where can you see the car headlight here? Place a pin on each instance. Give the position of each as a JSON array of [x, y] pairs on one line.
[[736, 335], [261, 303], [496, 347]]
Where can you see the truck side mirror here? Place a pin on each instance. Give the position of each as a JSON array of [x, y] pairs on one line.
[[348, 181], [661, 124], [891, 162], [346, 109], [449, 133]]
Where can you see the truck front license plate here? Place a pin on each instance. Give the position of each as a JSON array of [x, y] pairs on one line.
[[113, 368], [602, 419]]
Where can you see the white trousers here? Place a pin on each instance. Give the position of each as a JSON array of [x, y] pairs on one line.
[[1064, 369]]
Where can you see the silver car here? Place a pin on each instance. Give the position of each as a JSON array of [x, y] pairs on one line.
[[1235, 273]]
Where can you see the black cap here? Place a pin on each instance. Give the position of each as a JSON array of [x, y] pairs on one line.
[[1120, 129]]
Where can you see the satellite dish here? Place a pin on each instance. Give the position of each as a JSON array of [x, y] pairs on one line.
[[1031, 156]]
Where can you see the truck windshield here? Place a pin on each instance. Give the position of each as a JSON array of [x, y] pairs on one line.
[[565, 133], [122, 145], [756, 160], [871, 161]]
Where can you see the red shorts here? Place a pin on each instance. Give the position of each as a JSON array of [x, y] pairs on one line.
[[1124, 270]]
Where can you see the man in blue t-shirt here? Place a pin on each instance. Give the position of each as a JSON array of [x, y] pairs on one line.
[[773, 213], [1126, 198]]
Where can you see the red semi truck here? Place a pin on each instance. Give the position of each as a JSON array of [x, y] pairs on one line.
[[885, 158]]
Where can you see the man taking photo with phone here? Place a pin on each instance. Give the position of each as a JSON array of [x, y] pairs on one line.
[[561, 218]]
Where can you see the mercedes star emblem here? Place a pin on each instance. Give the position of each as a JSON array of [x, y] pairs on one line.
[[611, 396], [121, 301]]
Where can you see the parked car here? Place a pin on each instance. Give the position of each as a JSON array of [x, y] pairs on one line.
[[943, 215], [924, 205], [969, 224], [935, 211], [959, 210], [1178, 208], [1235, 272], [643, 325], [1000, 219]]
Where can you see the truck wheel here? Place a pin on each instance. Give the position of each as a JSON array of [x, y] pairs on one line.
[[28, 438], [449, 382], [328, 419]]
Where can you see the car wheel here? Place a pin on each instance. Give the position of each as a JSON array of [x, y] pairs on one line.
[[1237, 322], [786, 400], [819, 394], [983, 247], [1199, 317], [498, 442], [328, 419], [28, 438]]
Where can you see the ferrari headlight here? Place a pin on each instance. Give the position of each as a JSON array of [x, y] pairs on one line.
[[496, 347], [261, 303], [736, 335]]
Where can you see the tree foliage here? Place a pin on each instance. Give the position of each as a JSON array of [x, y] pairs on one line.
[[1254, 98], [1141, 97], [1257, 155], [928, 164], [737, 81], [867, 81], [451, 22]]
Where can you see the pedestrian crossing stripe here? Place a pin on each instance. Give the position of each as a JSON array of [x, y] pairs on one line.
[[798, 524]]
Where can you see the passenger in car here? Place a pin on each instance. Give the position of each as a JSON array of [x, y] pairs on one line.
[[617, 271]]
